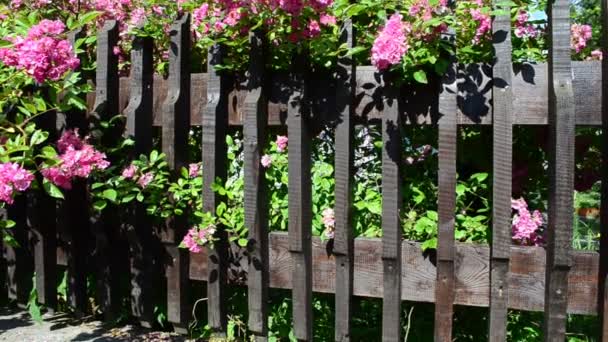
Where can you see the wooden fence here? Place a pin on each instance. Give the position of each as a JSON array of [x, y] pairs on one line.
[[555, 279]]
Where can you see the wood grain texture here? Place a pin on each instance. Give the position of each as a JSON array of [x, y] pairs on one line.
[[502, 155], [73, 222], [143, 266], [109, 244], [391, 212], [256, 202], [444, 293], [530, 100], [176, 125], [215, 125], [42, 220], [561, 171], [300, 199], [19, 259], [344, 171], [419, 273], [602, 298]]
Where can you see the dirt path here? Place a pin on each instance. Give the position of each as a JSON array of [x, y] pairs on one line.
[[16, 326]]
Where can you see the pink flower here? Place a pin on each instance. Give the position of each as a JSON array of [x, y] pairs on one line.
[[328, 218], [196, 238], [484, 26], [145, 180], [595, 55], [200, 14], [522, 28], [129, 172], [390, 44], [13, 178], [313, 29], [580, 34], [327, 20], [266, 161], [194, 170], [281, 143], [526, 226]]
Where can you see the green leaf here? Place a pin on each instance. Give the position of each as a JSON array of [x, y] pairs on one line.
[[49, 152], [429, 244], [38, 137], [52, 189], [110, 194], [242, 242], [100, 205], [420, 77]]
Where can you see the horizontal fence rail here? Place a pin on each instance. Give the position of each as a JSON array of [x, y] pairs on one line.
[[526, 285], [530, 100]]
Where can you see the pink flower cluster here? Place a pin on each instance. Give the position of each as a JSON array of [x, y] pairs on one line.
[[391, 44], [484, 25], [196, 238], [194, 170], [526, 226], [281, 143], [77, 158], [329, 221], [306, 17], [580, 34], [266, 161], [13, 178], [596, 55], [132, 172], [522, 28], [42, 54]]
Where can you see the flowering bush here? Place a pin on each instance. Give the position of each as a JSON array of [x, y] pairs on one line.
[[290, 26]]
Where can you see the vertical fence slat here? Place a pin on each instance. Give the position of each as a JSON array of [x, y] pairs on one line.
[[502, 167], [343, 236], [300, 201], [19, 258], [215, 126], [139, 126], [256, 216], [444, 291], [561, 171], [175, 129], [41, 213], [108, 246], [391, 207], [602, 298], [74, 214]]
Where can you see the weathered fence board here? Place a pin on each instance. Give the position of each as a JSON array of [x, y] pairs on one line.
[[602, 298], [448, 129], [144, 270], [109, 248], [42, 220], [19, 259], [391, 212], [529, 84], [215, 125], [344, 166], [73, 217], [502, 155], [176, 125], [418, 273], [561, 172], [255, 202], [300, 200]]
